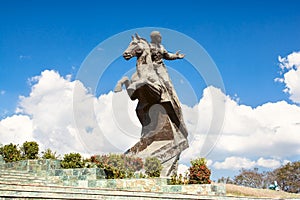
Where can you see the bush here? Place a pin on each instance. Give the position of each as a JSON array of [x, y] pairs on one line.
[[112, 172], [118, 165], [153, 167], [179, 179], [133, 163], [72, 160], [10, 153], [30, 150], [199, 172], [49, 154]]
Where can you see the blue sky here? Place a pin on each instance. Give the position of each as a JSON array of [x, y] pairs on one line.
[[243, 38]]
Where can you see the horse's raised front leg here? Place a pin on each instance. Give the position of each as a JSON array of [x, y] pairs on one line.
[[120, 83]]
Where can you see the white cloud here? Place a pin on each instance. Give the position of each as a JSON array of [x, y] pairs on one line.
[[182, 169], [204, 123], [271, 129], [268, 163], [62, 115], [234, 163], [67, 118], [286, 162], [290, 61], [2, 92], [290, 69], [24, 57], [209, 163], [16, 129]]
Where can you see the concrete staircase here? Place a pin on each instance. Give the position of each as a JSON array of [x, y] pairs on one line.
[[39, 192], [23, 177], [44, 179], [22, 185]]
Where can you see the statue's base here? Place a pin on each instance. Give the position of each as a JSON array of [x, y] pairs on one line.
[[163, 141]]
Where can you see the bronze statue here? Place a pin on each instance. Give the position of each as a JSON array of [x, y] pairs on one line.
[[164, 133]]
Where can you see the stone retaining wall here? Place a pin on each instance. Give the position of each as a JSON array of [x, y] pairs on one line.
[[75, 177], [33, 166], [159, 185]]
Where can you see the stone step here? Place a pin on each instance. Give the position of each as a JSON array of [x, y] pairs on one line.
[[24, 181], [10, 171], [21, 174], [8, 190], [23, 177]]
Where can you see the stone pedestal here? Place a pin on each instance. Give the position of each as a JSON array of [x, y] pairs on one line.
[[161, 139]]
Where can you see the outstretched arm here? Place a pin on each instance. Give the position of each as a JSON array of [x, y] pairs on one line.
[[171, 56]]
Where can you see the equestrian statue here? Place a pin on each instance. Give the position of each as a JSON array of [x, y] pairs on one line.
[[164, 134]]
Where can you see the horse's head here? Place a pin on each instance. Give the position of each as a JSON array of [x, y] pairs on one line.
[[136, 47]]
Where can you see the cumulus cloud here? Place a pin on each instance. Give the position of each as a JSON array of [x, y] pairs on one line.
[[290, 70], [269, 163], [204, 122], [16, 129], [63, 115], [236, 163], [182, 169], [271, 129], [290, 61]]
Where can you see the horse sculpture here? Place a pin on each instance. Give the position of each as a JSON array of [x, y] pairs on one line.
[[162, 126], [145, 75], [144, 84]]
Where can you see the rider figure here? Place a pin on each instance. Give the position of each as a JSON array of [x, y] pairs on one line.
[[158, 53]]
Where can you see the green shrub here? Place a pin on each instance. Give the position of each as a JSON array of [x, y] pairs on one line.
[[179, 180], [140, 175], [133, 163], [113, 165], [30, 150], [153, 167], [116, 172], [49, 154], [175, 180], [199, 172], [72, 160], [118, 165], [10, 153]]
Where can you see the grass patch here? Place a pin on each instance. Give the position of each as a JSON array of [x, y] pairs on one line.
[[235, 190]]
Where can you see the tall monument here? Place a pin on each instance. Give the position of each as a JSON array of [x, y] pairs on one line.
[[164, 134]]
